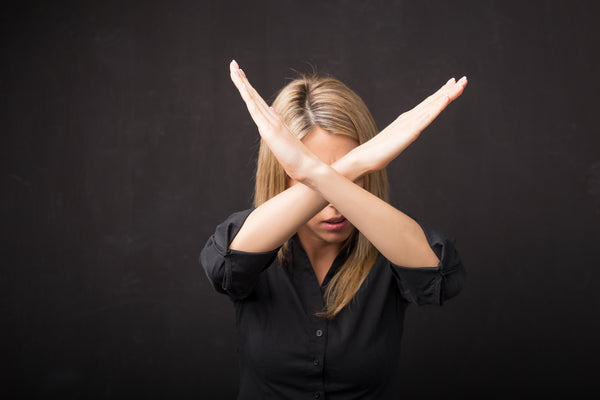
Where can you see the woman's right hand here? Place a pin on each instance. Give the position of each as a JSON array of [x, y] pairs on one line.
[[291, 153], [379, 151]]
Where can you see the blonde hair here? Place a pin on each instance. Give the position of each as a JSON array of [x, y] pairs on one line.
[[305, 104]]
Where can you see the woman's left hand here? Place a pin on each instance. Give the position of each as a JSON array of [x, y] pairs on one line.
[[380, 150], [291, 153]]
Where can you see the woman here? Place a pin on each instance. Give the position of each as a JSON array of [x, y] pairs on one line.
[[322, 269]]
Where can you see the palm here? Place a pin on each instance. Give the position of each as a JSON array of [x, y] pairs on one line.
[[287, 148]]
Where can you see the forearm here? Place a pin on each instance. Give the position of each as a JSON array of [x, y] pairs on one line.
[[278, 219], [396, 235]]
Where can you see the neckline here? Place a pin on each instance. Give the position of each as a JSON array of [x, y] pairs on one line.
[[342, 256]]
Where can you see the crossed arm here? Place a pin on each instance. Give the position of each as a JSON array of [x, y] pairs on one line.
[[397, 236]]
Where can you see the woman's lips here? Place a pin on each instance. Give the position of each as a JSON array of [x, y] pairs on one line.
[[335, 224]]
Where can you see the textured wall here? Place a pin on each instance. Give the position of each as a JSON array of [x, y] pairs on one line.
[[124, 143]]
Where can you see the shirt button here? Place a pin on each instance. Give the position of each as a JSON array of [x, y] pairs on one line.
[[316, 362], [319, 333], [317, 395]]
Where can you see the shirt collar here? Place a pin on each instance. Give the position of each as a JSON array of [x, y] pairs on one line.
[[299, 255]]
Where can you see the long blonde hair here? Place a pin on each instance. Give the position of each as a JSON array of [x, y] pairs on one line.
[[304, 104]]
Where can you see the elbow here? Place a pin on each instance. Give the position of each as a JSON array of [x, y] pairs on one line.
[[214, 268], [432, 258], [453, 282]]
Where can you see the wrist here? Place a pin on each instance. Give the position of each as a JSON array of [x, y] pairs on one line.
[[306, 170], [351, 166], [317, 175]]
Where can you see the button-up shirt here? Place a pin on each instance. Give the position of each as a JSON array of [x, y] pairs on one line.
[[287, 352]]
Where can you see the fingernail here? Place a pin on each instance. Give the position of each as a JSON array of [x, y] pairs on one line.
[[235, 64], [451, 80], [464, 78], [242, 73]]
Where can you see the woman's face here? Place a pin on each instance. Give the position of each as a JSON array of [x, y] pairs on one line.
[[328, 226]]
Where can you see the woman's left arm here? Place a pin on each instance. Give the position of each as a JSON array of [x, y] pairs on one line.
[[396, 235]]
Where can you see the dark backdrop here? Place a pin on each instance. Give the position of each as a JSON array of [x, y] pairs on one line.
[[124, 143]]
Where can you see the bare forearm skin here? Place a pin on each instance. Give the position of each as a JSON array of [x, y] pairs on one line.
[[278, 219], [396, 235]]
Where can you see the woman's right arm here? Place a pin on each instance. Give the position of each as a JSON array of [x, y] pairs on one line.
[[275, 221]]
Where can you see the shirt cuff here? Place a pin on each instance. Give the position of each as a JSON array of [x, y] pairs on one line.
[[435, 284]]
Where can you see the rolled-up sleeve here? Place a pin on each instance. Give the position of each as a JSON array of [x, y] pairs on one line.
[[433, 285], [232, 272]]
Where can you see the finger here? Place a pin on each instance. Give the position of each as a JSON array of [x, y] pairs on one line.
[[450, 90], [261, 103], [242, 85], [457, 89], [427, 115], [424, 116], [253, 91], [430, 99], [441, 103], [440, 92], [271, 117], [237, 80], [257, 98], [256, 111], [275, 115], [233, 67]]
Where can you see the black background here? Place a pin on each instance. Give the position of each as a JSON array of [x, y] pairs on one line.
[[124, 143]]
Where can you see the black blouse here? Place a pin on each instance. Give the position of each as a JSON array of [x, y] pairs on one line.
[[286, 352]]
